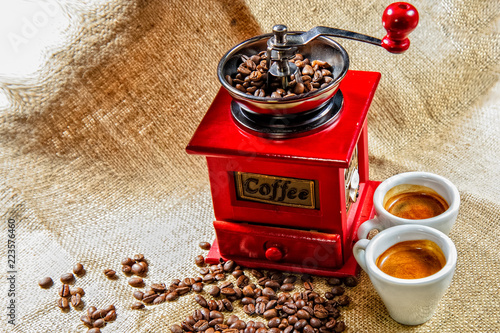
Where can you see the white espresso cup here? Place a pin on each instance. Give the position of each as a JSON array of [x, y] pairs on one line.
[[383, 219], [408, 301]]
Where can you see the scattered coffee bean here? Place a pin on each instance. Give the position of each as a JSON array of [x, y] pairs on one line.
[[256, 273], [197, 287], [306, 278], [136, 282], [86, 321], [205, 245], [351, 281], [91, 310], [160, 299], [99, 323], [158, 287], [287, 287], [137, 269], [110, 308], [98, 314], [111, 316], [201, 301], [209, 278], [229, 266], [249, 309], [343, 300], [76, 300], [176, 329], [63, 303], [127, 269], [64, 291], [138, 295], [237, 273], [149, 297], [339, 326], [199, 260], [67, 278], [96, 319], [76, 290], [139, 257], [110, 274], [78, 269], [334, 281], [144, 266], [269, 314], [172, 296], [337, 290], [182, 290], [128, 262], [45, 282], [94, 330], [308, 285], [137, 306]]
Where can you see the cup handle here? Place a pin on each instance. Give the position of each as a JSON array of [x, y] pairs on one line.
[[367, 226], [359, 252]]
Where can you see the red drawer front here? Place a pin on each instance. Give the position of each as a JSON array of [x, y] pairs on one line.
[[259, 243]]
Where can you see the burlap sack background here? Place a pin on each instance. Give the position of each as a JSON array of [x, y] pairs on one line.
[[94, 169]]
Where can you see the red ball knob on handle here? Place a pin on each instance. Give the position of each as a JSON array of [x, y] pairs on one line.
[[399, 19]]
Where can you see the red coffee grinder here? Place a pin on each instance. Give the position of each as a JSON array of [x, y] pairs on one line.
[[289, 176]]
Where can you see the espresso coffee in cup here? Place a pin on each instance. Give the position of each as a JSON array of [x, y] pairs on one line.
[[410, 299], [414, 202], [413, 259], [413, 198]]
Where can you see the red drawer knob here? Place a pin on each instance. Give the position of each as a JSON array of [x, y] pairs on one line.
[[274, 254]]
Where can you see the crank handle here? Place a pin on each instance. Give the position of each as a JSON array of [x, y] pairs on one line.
[[399, 20]]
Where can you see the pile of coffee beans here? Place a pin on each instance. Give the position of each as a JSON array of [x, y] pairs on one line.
[[270, 298], [306, 312], [158, 293], [70, 295], [136, 266], [95, 319], [252, 73], [265, 294]]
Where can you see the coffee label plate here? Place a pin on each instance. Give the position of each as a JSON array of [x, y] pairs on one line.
[[276, 190]]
